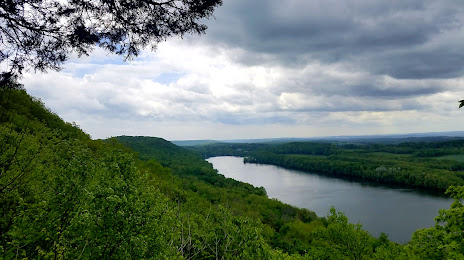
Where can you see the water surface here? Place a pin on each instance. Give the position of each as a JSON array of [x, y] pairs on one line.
[[397, 212]]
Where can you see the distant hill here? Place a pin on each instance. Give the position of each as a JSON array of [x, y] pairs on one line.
[[183, 162], [154, 148], [394, 140], [399, 138], [381, 139]]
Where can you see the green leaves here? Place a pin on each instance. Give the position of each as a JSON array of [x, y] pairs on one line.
[[65, 196], [446, 239], [347, 239]]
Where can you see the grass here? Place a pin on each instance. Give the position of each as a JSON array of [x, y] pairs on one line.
[[454, 157]]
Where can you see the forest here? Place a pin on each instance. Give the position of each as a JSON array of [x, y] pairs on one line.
[[429, 166], [64, 195]]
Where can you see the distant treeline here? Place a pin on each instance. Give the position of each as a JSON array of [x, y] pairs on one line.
[[412, 164]]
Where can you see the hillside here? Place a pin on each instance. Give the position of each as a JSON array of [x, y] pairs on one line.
[[66, 196], [63, 195], [183, 163]]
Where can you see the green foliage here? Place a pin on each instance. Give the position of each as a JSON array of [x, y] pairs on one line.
[[27, 112], [414, 165], [77, 203], [183, 162], [63, 195], [455, 157], [446, 239], [196, 175], [346, 239]]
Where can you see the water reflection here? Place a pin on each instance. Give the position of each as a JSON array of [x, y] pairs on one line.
[[397, 212]]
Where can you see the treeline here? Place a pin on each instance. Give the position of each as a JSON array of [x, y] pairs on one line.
[[418, 149], [226, 149], [415, 149], [392, 173], [63, 195], [414, 165]]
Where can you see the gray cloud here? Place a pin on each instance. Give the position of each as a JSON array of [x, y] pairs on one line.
[[278, 68], [380, 87], [385, 38]]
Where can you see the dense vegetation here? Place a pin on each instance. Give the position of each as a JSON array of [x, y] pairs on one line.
[[63, 195], [424, 165]]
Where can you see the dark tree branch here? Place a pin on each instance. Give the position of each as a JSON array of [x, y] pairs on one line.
[[41, 34]]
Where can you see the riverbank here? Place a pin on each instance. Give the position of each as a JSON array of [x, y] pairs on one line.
[[431, 167], [396, 211]]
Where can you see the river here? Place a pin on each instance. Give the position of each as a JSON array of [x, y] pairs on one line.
[[396, 212]]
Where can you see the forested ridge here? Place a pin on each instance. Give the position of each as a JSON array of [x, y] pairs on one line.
[[66, 196]]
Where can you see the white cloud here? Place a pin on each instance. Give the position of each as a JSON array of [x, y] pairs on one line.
[[197, 89]]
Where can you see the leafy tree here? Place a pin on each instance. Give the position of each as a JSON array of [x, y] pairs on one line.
[[41, 34], [349, 241], [446, 239]]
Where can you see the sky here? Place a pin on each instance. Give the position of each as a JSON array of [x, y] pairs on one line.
[[272, 68]]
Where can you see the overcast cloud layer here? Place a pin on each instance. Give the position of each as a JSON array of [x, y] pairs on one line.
[[269, 68]]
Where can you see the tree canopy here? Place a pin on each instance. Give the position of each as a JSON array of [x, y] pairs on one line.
[[41, 34]]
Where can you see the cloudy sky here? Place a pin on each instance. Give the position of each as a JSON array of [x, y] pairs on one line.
[[271, 68]]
